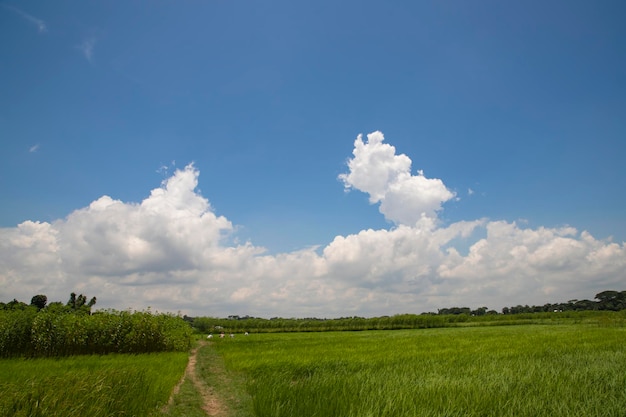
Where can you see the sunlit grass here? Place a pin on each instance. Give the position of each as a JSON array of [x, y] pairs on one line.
[[111, 385], [214, 388], [577, 370]]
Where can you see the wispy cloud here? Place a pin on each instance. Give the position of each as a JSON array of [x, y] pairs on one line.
[[87, 48], [165, 169], [33, 148], [41, 25]]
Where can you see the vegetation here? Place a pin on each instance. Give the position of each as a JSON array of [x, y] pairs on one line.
[[607, 301], [396, 322], [539, 370], [567, 363], [95, 386], [61, 330], [76, 304], [222, 391]]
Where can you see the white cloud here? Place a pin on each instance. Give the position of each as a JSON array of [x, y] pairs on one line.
[[40, 24], [172, 252], [87, 48], [33, 148], [404, 198]]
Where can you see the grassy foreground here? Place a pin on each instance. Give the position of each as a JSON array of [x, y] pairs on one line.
[[212, 389], [95, 386], [535, 370], [528, 370]]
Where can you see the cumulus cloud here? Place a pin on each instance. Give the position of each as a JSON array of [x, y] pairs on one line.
[[171, 230], [404, 198], [172, 252]]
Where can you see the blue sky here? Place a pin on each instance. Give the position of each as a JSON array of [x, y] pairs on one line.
[[518, 110]]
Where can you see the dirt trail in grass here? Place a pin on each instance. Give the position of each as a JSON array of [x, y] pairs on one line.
[[211, 404]]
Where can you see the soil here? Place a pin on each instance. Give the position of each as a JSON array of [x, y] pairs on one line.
[[211, 404]]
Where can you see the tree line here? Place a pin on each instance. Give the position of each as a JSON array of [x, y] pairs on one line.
[[76, 304], [607, 301]]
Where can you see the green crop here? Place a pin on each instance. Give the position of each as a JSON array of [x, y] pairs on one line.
[[46, 333], [95, 386], [537, 370]]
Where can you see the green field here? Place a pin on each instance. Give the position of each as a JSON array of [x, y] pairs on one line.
[[525, 370], [529, 370], [94, 386]]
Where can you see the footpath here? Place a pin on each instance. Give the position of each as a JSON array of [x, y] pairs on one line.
[[211, 404]]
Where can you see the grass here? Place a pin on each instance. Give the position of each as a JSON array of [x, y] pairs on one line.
[[228, 385], [537, 370], [574, 369], [219, 391], [111, 385], [186, 403]]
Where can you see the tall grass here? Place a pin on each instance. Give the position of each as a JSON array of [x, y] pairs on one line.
[[565, 370], [45, 333], [112, 385]]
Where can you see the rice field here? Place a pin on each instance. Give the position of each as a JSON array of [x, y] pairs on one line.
[[527, 370], [89, 385]]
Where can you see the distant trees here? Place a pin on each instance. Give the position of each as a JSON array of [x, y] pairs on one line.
[[611, 300], [480, 311], [39, 301], [13, 305], [607, 301], [454, 310], [79, 303], [76, 304]]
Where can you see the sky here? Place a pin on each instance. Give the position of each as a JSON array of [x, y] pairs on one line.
[[312, 159]]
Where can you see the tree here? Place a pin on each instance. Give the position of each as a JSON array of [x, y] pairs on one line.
[[454, 310], [39, 301], [16, 305], [611, 300], [79, 303], [585, 305], [480, 311]]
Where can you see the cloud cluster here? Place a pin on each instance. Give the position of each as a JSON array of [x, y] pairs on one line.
[[173, 253], [404, 198]]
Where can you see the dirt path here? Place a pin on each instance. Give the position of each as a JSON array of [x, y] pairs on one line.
[[211, 405]]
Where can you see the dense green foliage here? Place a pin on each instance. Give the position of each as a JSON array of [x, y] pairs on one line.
[[76, 304], [95, 386], [28, 332], [446, 317], [397, 322], [606, 301], [538, 370]]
